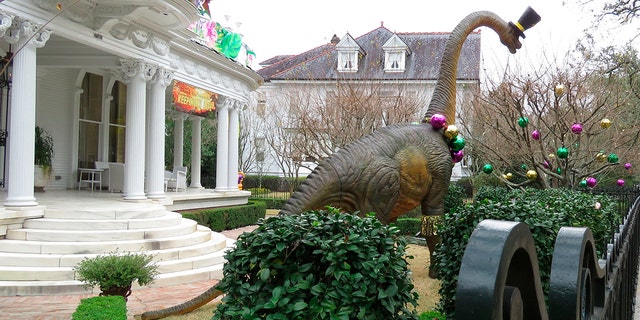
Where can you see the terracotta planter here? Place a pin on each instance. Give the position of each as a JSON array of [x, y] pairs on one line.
[[117, 291]]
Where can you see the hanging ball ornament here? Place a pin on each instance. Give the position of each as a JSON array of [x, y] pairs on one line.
[[559, 90], [562, 153], [601, 157], [451, 132], [456, 156], [509, 176], [487, 168], [627, 165], [523, 122], [605, 123], [583, 183], [535, 135], [523, 166], [591, 182], [552, 156], [620, 182], [612, 158], [559, 171], [576, 128], [438, 121], [532, 175], [457, 143], [545, 164]]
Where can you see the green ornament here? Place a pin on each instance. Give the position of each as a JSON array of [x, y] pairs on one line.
[[523, 167], [562, 153], [559, 171], [488, 168], [457, 143], [523, 122], [612, 158], [583, 183]]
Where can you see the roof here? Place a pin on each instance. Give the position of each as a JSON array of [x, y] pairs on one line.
[[423, 62]]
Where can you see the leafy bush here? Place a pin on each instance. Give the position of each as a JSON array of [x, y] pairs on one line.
[[409, 226], [544, 211], [273, 183], [318, 265], [432, 315], [226, 218], [258, 191], [117, 270], [101, 308]]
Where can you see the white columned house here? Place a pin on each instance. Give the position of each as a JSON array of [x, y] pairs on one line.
[[178, 138], [25, 34], [155, 147], [196, 151], [136, 73]]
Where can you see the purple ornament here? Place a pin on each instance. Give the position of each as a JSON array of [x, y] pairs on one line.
[[627, 165], [620, 182], [456, 156], [591, 182], [535, 135], [438, 121], [546, 164], [576, 128]]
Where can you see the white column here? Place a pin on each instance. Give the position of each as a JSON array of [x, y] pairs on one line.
[[155, 138], [26, 37], [222, 176], [196, 151], [178, 139], [234, 135], [136, 74]]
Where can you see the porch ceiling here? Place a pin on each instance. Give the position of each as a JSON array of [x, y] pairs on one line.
[[61, 52]]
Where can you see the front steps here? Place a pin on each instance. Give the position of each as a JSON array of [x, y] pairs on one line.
[[38, 259]]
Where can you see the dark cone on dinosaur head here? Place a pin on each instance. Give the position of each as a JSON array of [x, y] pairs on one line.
[[528, 19]]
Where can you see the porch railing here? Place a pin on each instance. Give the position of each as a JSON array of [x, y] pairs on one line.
[[499, 276]]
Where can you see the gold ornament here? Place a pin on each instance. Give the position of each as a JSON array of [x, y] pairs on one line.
[[451, 132], [605, 123], [509, 176], [552, 156], [601, 157], [532, 175], [559, 90]]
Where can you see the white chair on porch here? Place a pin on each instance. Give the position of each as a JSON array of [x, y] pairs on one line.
[[116, 177], [177, 179]]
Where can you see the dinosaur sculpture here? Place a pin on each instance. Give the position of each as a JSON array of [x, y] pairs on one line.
[[398, 167]]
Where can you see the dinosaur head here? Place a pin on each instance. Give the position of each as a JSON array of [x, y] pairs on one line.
[[511, 39]]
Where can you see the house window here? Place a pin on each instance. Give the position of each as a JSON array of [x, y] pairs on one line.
[[117, 122], [262, 104], [348, 61], [394, 61], [90, 119], [260, 147]]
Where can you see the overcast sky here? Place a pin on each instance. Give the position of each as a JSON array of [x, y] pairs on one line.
[[278, 27]]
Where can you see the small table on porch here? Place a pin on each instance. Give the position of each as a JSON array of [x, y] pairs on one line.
[[91, 177]]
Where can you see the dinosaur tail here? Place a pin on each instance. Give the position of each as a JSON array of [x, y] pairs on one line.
[[322, 187], [184, 307]]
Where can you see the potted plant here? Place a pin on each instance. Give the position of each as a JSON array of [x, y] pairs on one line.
[[44, 152], [114, 273]]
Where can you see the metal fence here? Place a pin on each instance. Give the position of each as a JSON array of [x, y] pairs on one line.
[[499, 275]]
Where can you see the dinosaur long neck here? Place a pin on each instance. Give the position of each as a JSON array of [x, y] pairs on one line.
[[444, 96]]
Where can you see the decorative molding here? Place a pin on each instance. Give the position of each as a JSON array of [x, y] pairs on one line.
[[27, 30], [162, 76], [81, 11], [133, 67], [6, 20], [140, 37]]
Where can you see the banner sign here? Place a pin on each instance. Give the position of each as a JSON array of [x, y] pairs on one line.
[[192, 100]]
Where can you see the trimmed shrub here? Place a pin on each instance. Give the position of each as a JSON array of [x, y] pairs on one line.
[[544, 211], [318, 265], [226, 218], [409, 226], [101, 308]]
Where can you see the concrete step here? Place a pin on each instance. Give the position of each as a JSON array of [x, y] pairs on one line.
[[46, 287], [124, 211], [217, 243], [202, 234], [168, 219], [185, 226]]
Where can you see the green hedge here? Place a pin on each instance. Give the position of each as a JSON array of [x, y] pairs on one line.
[[101, 308], [544, 211], [409, 226], [318, 265], [226, 218]]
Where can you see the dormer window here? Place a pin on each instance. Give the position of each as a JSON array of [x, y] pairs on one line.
[[395, 52], [348, 53]]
